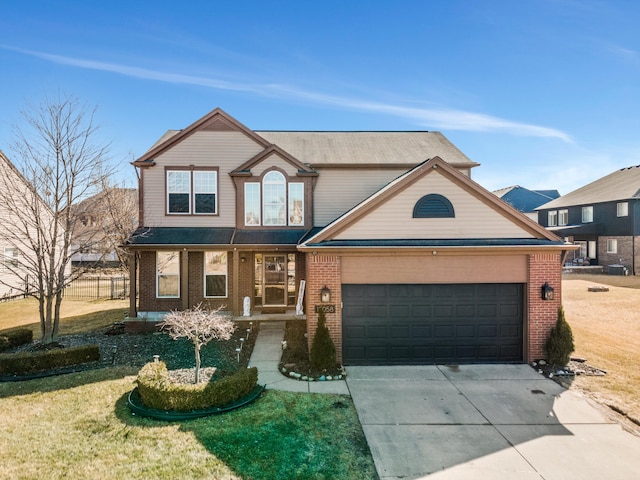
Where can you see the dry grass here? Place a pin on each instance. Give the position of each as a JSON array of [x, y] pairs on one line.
[[74, 314], [606, 331]]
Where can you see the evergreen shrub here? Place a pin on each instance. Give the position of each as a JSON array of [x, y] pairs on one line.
[[323, 350], [560, 344]]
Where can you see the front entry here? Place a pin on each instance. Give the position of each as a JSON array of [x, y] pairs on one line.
[[275, 280]]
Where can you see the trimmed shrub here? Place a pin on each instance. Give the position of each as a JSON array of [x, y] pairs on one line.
[[323, 350], [32, 362], [157, 391], [15, 338], [560, 344]]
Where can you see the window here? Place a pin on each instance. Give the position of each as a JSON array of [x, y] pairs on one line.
[[296, 202], [275, 202], [563, 217], [612, 245], [623, 209], [10, 260], [587, 214], [274, 198], [183, 199], [252, 203], [552, 218], [215, 274], [168, 274]]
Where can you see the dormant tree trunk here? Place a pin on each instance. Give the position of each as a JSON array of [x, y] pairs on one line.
[[58, 163]]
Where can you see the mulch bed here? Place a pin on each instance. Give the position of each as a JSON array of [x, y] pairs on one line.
[[135, 350], [295, 357]]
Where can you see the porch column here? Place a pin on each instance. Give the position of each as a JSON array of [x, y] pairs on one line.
[[235, 291], [133, 284], [184, 279]]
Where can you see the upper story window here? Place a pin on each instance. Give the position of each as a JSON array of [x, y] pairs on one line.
[[587, 214], [192, 192], [274, 202], [563, 217], [623, 209], [552, 218], [10, 260]]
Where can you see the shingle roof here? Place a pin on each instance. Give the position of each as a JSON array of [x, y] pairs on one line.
[[623, 184], [526, 200], [366, 148]]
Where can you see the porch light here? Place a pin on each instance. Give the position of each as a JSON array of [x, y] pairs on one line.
[[325, 295], [547, 292]]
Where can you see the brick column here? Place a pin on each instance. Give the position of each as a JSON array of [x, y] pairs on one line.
[[324, 270], [542, 314]]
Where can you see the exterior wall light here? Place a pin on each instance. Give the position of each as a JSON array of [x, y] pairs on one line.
[[547, 292], [325, 295]]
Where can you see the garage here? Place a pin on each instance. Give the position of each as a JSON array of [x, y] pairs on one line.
[[393, 324]]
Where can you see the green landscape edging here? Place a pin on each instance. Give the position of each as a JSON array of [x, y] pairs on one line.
[[137, 407]]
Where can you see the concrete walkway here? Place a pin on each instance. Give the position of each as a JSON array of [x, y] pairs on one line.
[[266, 356]]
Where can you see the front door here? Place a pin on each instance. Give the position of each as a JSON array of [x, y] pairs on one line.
[[275, 280]]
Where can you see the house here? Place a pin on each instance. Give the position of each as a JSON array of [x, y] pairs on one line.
[[525, 200], [27, 223], [103, 222], [411, 260], [603, 218]]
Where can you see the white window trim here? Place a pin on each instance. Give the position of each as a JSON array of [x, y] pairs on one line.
[[192, 191], [226, 277], [563, 217], [587, 209], [10, 260], [289, 212], [612, 245], [625, 207], [552, 218], [173, 275], [259, 212]]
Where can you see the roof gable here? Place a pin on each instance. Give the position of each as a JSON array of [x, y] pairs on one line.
[[301, 168], [623, 184], [215, 121], [388, 213], [526, 200]]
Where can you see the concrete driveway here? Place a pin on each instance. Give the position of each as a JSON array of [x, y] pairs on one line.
[[485, 422]]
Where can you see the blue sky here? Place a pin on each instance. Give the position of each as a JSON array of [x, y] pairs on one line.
[[544, 94]]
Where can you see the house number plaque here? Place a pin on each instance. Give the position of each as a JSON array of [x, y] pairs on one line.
[[325, 308]]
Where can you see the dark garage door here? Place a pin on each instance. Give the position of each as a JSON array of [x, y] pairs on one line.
[[432, 324]]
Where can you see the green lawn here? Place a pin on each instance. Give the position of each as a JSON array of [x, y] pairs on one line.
[[79, 426]]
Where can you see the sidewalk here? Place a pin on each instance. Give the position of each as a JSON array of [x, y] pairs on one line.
[[266, 356]]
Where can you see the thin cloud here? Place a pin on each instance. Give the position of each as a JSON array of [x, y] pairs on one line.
[[447, 119]]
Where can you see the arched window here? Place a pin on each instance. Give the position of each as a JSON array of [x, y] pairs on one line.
[[433, 206], [274, 197]]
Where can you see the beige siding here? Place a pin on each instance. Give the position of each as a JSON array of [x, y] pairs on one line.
[[435, 269], [340, 189], [225, 150], [274, 161], [473, 218]]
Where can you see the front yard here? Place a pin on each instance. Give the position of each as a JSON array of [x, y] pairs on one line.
[[79, 425], [606, 329]]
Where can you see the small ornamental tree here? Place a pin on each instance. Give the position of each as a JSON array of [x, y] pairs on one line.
[[560, 344], [323, 351], [200, 326]]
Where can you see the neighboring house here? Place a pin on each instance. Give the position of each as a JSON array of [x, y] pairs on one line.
[[21, 210], [411, 260], [603, 218], [103, 222], [525, 200]]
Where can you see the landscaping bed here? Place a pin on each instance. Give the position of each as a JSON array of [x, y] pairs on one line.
[[135, 350], [295, 362]]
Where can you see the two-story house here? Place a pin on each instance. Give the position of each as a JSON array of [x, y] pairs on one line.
[[603, 219], [412, 261], [525, 200]]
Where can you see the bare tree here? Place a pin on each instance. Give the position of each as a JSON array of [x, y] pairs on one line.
[[200, 326], [59, 162]]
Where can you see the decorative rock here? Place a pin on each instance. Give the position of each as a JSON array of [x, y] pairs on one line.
[[542, 363], [329, 377], [322, 378], [283, 370], [292, 374], [304, 378]]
